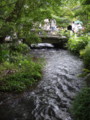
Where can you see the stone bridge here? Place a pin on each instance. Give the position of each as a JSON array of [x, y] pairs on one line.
[[54, 39]]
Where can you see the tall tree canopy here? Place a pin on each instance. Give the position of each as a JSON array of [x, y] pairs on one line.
[[18, 16]]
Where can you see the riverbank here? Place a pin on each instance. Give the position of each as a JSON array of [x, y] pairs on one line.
[[18, 71], [81, 105]]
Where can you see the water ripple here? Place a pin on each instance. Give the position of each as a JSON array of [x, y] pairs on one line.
[[52, 98]]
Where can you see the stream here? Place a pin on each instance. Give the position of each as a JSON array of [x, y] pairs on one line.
[[53, 96]]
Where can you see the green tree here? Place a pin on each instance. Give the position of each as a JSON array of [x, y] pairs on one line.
[[20, 15]]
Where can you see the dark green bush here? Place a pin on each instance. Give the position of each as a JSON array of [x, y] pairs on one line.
[[75, 44], [21, 48], [81, 105], [13, 52], [17, 70], [21, 77], [86, 55], [4, 52]]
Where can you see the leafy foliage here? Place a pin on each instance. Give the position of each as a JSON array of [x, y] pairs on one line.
[[18, 16], [86, 55], [81, 105], [19, 76], [4, 52], [75, 44], [17, 70], [20, 48]]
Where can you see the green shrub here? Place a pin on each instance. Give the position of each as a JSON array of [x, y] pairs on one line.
[[85, 72], [13, 52], [86, 55], [13, 85], [21, 48], [16, 57], [17, 70], [75, 44], [64, 32], [4, 52], [81, 105], [18, 78]]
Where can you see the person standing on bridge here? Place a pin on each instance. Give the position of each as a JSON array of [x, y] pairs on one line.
[[53, 24], [46, 24]]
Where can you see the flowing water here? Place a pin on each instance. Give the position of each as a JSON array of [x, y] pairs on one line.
[[52, 98]]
